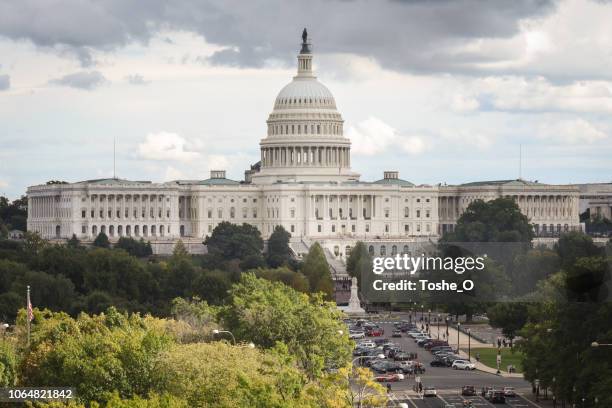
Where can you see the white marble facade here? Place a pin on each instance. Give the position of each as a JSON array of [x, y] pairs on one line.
[[303, 182]]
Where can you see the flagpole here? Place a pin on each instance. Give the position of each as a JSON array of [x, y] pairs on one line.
[[28, 317]]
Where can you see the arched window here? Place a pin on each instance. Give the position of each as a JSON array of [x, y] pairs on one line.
[[394, 250], [182, 230], [111, 230], [153, 230], [94, 230], [371, 250], [347, 250], [128, 230], [383, 250], [406, 212], [336, 250], [405, 249], [58, 231], [103, 229], [145, 231], [232, 212], [161, 230]]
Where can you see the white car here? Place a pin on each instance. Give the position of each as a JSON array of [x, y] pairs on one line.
[[357, 335], [509, 392], [367, 344], [463, 365], [430, 392]]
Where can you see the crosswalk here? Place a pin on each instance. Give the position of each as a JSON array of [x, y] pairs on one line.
[[411, 399]]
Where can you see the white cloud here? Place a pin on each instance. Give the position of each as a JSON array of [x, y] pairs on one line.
[[373, 136], [4, 184], [463, 103], [572, 132], [166, 146]]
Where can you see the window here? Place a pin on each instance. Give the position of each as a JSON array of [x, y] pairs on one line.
[[209, 228], [387, 213], [427, 200], [406, 212], [319, 228], [418, 214], [333, 228], [244, 212], [110, 213], [406, 228], [101, 213], [219, 213], [353, 228], [386, 227], [92, 213], [254, 212], [428, 228], [383, 250], [127, 213], [293, 228], [367, 228], [418, 200], [232, 212], [418, 227], [83, 229], [427, 213], [394, 250], [371, 250], [209, 213], [83, 213], [293, 213], [405, 250]]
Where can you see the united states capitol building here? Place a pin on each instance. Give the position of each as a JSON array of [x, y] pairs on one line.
[[304, 182]]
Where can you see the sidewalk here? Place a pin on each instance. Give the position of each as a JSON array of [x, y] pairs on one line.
[[463, 342]]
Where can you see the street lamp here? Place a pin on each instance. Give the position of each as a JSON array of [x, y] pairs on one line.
[[446, 325], [438, 326], [596, 344], [216, 331], [458, 327], [469, 344]]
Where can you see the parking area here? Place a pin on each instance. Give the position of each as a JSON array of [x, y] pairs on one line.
[[445, 400], [447, 381]]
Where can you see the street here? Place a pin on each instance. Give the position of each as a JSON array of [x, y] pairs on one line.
[[453, 399], [446, 380]]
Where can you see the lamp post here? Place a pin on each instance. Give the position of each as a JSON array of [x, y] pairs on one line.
[[458, 332], [215, 331], [554, 379], [469, 344], [596, 344], [446, 325], [438, 326]]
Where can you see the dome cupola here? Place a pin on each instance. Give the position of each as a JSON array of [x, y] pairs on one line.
[[305, 140]]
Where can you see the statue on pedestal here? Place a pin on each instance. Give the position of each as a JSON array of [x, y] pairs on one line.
[[354, 306]]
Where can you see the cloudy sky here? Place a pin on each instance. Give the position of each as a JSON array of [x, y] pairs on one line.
[[443, 91]]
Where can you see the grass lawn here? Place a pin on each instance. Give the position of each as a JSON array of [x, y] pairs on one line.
[[488, 356]]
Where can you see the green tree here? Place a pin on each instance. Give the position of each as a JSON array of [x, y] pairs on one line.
[[133, 247], [232, 241], [574, 245], [296, 280], [359, 262], [279, 253], [499, 220], [101, 241], [269, 312], [510, 317], [8, 363], [316, 270]]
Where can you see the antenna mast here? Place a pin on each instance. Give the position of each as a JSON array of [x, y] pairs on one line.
[[520, 161], [114, 143]]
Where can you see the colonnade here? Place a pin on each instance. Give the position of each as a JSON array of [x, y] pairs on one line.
[[292, 156]]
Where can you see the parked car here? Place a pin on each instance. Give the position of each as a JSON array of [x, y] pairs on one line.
[[397, 333], [437, 362], [430, 392], [435, 343], [357, 335], [509, 392], [375, 332], [468, 390], [389, 377], [450, 359], [366, 343], [463, 365]]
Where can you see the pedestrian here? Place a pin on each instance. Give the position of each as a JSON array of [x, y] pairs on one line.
[[388, 388], [504, 342], [498, 342]]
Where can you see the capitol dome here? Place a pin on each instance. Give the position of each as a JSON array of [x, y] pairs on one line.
[[305, 138], [305, 92]]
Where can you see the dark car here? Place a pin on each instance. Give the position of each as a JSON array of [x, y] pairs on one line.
[[468, 390], [437, 362], [496, 397], [402, 357]]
